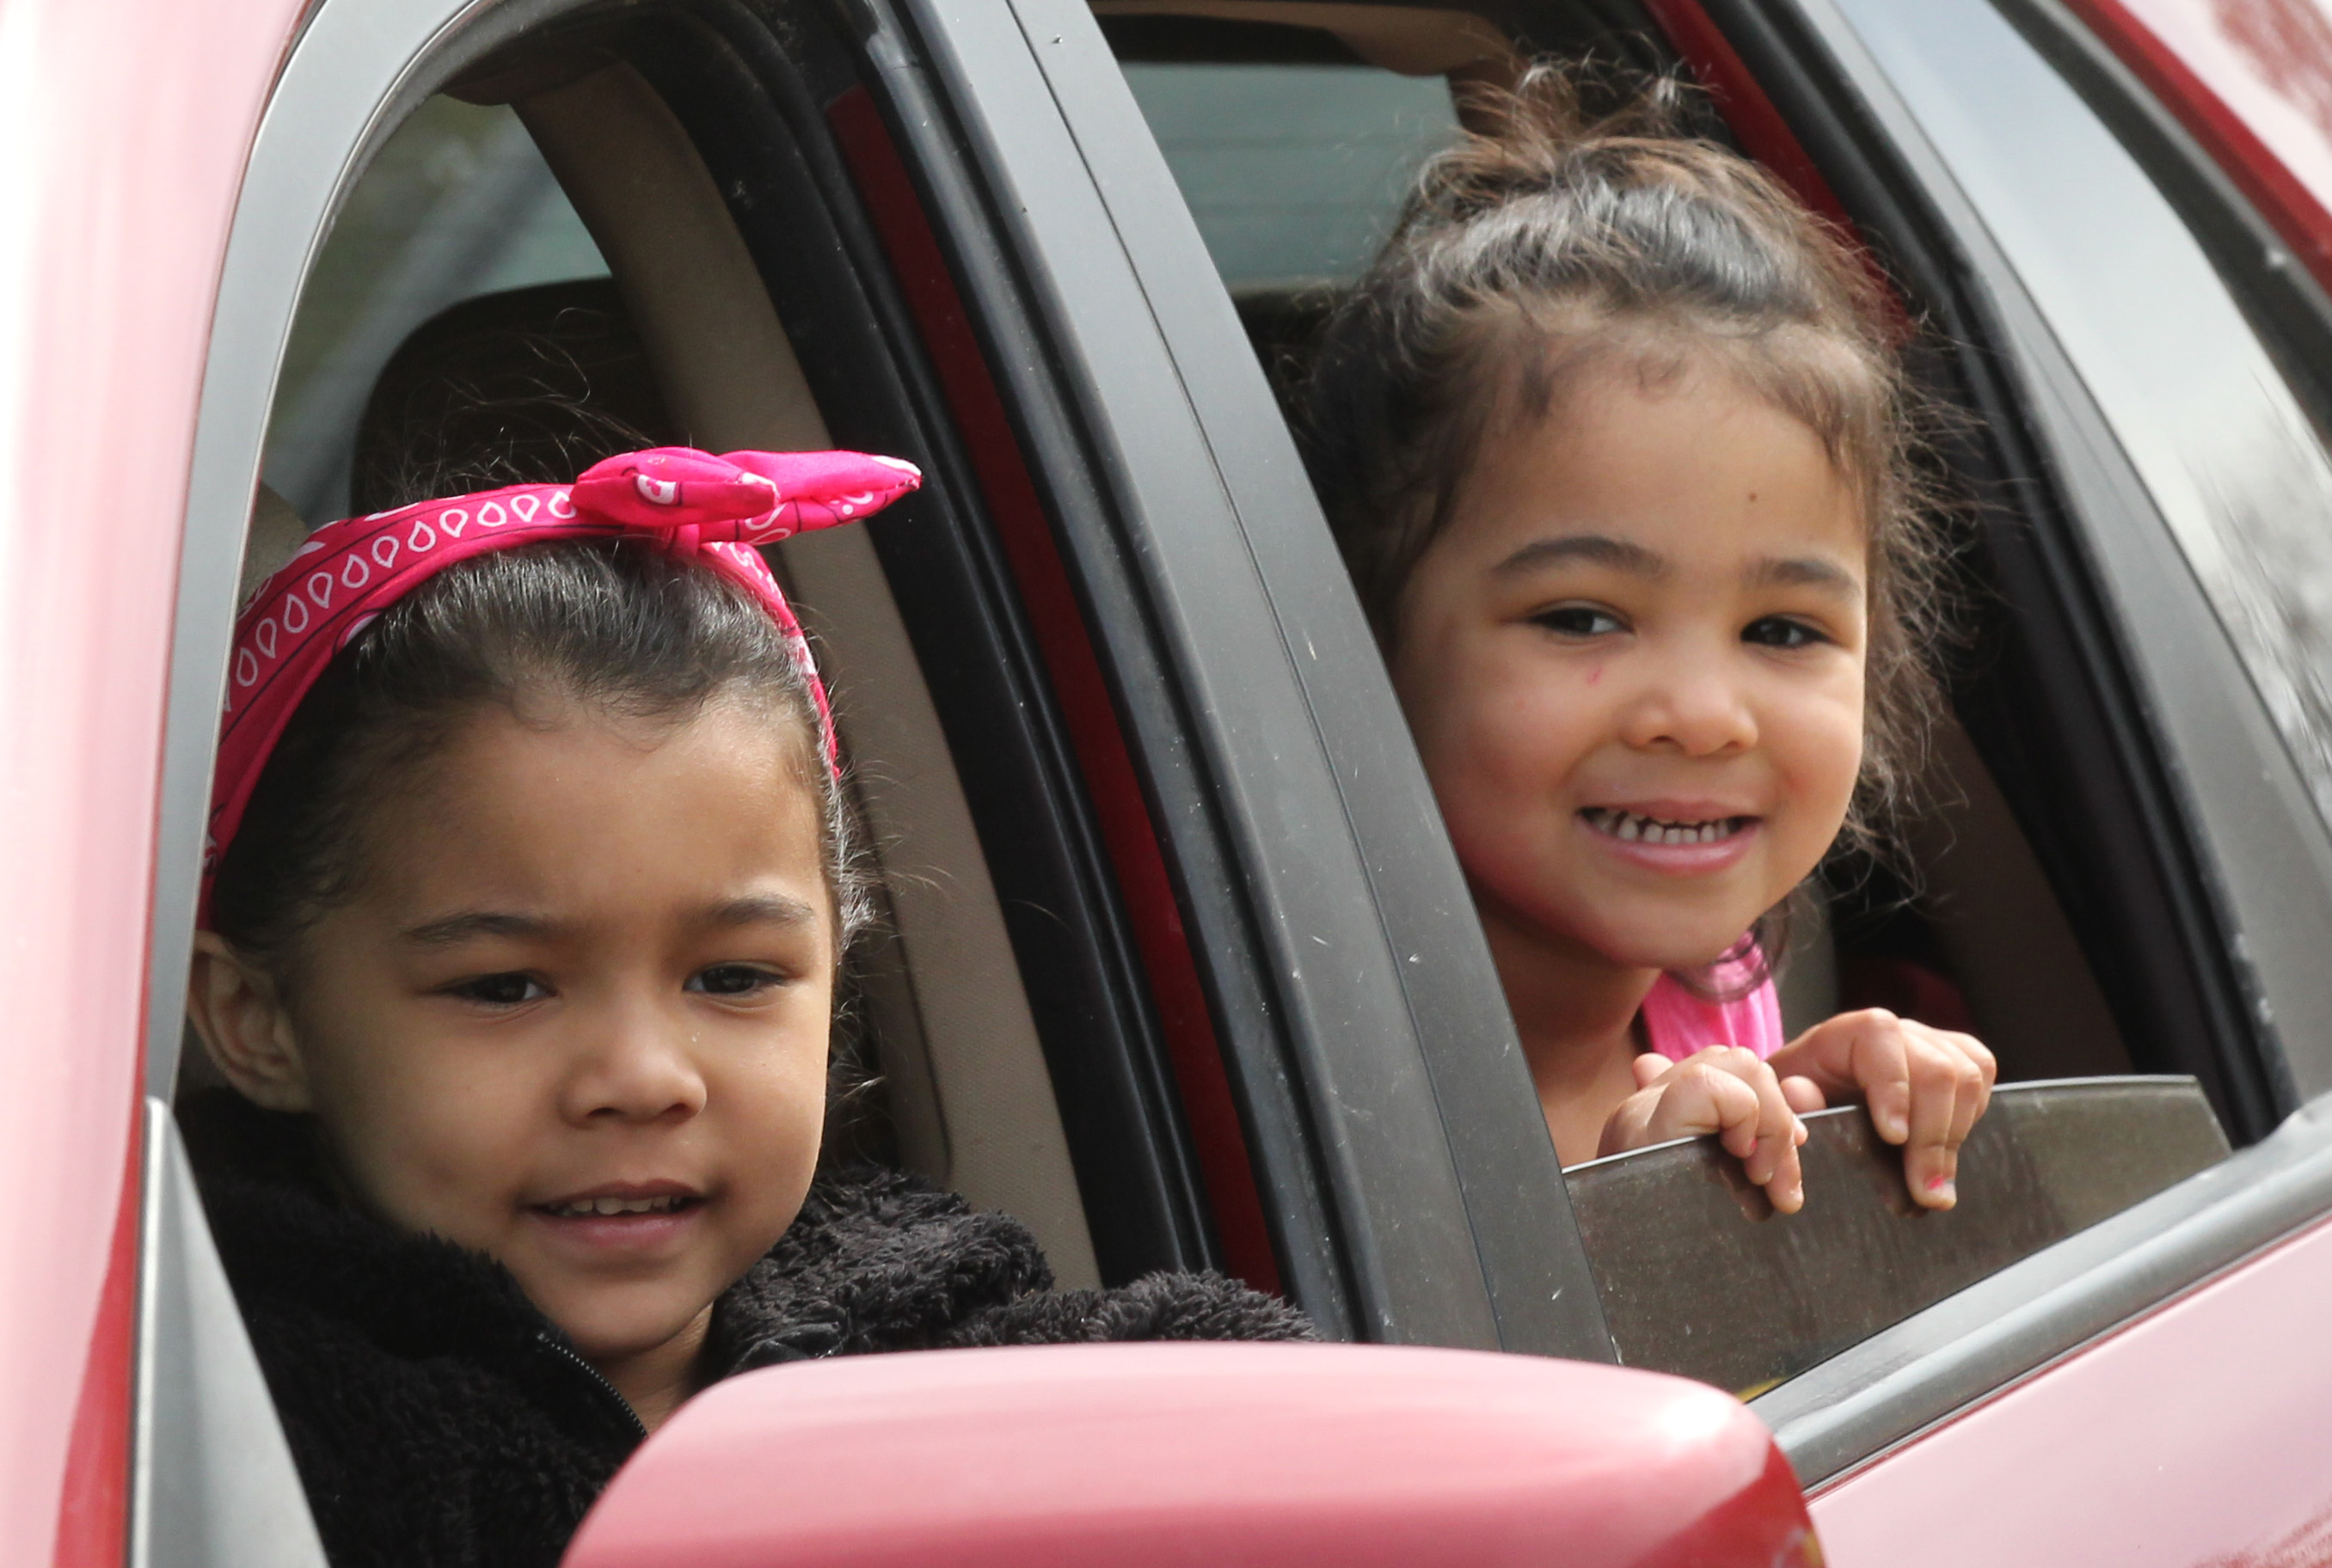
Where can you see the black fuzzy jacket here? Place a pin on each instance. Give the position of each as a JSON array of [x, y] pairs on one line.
[[440, 1421]]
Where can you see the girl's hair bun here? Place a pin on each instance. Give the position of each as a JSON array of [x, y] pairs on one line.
[[1525, 137]]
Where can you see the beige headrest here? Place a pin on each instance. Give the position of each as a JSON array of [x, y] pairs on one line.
[[276, 530]]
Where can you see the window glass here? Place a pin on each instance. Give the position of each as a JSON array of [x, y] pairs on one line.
[[1293, 172], [2217, 435], [457, 204]]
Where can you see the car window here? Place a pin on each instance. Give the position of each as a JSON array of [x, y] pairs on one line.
[[457, 204], [2219, 436], [1294, 171], [724, 297]]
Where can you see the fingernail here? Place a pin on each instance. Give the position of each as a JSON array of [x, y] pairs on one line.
[[1941, 1186], [1899, 1128]]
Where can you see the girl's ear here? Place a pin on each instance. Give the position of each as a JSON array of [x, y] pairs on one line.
[[245, 1027]]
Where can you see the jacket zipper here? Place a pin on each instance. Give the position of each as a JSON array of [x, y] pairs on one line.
[[565, 1353]]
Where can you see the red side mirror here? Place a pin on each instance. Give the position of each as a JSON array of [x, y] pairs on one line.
[[1141, 1455]]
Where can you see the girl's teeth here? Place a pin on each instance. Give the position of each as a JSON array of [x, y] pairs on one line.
[[1629, 828], [582, 1207]]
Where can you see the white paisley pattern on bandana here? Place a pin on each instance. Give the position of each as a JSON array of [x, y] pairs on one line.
[[715, 509]]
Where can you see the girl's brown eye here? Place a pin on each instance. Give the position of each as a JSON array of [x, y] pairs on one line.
[[500, 990], [1781, 631], [1579, 621], [732, 980]]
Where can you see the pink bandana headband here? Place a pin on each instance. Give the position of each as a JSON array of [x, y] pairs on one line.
[[699, 506]]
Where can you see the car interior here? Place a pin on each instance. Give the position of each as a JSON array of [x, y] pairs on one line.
[[609, 234]]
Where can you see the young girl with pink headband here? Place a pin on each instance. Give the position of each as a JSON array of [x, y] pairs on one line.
[[1616, 445], [529, 871]]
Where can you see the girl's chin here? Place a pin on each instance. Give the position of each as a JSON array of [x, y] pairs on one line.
[[603, 1338], [1651, 932], [1633, 947], [611, 1321], [1628, 928]]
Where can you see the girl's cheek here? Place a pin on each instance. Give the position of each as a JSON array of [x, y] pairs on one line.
[[1829, 754]]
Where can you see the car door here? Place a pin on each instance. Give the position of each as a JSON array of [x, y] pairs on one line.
[[2144, 720]]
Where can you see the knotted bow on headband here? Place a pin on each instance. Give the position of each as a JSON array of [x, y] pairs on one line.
[[713, 509]]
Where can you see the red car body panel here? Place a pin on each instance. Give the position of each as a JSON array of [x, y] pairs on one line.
[[2251, 80], [124, 127], [2195, 1436], [1143, 1455]]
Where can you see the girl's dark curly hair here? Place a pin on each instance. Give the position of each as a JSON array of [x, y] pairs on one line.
[[1548, 247]]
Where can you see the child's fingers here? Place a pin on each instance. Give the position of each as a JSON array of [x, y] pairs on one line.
[[1728, 1091], [1805, 1097], [1925, 1088], [1650, 1069], [1770, 1160], [1879, 1059], [1951, 1084], [1987, 1067], [1696, 1098], [1775, 1134], [1722, 1092], [1786, 1189]]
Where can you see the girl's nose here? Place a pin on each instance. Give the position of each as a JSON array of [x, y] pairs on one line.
[[639, 1068], [1690, 704]]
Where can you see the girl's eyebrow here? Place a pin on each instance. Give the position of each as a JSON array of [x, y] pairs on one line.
[[752, 909], [471, 924], [762, 909], [1806, 572], [1595, 549]]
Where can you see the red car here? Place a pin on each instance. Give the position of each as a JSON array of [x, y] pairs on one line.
[[1181, 971]]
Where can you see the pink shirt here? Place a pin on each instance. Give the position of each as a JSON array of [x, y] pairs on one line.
[[1678, 1023]]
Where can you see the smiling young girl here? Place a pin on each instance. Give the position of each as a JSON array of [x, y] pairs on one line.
[[1615, 441], [531, 875]]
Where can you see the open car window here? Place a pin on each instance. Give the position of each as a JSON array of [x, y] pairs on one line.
[[659, 236], [1997, 926]]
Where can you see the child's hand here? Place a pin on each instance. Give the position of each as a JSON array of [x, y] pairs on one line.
[[1925, 1087], [1725, 1090]]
